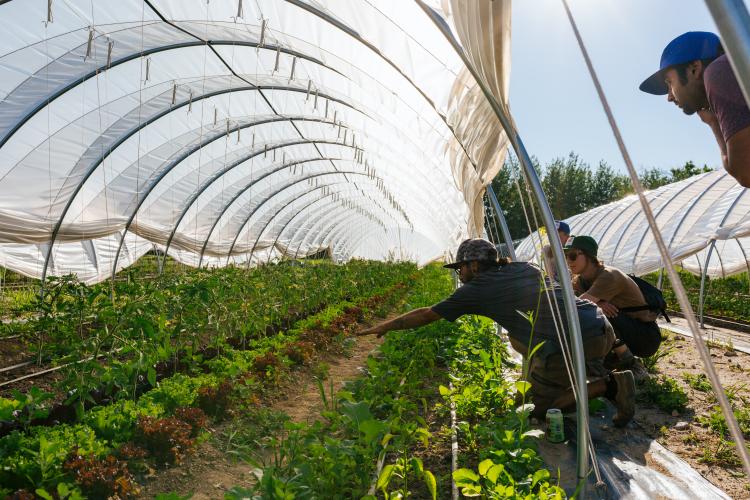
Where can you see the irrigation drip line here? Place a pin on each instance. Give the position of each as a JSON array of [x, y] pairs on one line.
[[454, 446], [16, 366], [56, 368], [674, 278]]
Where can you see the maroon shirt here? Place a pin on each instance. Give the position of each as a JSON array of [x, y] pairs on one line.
[[725, 97]]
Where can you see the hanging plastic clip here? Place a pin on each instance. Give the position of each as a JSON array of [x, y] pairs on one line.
[[240, 13], [174, 93], [216, 115], [335, 113], [315, 101], [49, 11], [252, 146], [263, 25], [148, 70], [238, 134], [89, 43], [190, 101], [294, 65], [326, 113], [110, 46], [278, 56], [309, 87]]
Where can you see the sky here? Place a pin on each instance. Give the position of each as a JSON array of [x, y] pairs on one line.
[[555, 104]]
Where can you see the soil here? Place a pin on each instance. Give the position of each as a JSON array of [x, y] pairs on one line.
[[698, 441], [209, 472]]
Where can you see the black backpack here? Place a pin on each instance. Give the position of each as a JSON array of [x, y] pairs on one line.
[[654, 298]]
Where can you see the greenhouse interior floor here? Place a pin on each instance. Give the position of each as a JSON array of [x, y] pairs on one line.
[[738, 340], [632, 465], [668, 454]]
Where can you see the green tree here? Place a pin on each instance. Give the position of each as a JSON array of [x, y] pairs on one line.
[[688, 170], [653, 178]]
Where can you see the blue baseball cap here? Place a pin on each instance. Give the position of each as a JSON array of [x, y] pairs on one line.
[[562, 226], [688, 47]]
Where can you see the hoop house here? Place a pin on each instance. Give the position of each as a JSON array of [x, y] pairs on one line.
[[237, 132], [709, 210]]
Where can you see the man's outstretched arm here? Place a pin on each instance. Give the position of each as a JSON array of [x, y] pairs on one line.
[[412, 319]]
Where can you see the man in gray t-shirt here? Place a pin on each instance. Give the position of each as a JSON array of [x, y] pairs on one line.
[[696, 76], [502, 290]]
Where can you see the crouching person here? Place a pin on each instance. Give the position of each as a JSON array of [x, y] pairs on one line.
[[499, 290], [619, 297]]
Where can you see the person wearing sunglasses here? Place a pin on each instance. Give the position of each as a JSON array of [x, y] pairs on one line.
[[502, 290], [614, 292]]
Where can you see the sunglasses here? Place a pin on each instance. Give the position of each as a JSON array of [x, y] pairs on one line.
[[457, 270], [571, 256]]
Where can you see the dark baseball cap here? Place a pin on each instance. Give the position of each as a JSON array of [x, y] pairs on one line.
[[474, 249], [586, 244], [688, 47], [562, 226]]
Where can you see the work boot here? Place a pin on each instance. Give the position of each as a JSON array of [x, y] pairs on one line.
[[640, 374], [622, 361], [625, 398]]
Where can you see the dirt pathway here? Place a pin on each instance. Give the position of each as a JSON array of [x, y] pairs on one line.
[[209, 472]]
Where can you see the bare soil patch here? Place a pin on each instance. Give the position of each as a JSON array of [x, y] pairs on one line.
[[698, 444]]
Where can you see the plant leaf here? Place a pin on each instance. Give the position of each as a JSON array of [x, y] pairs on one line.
[[429, 480], [385, 477], [484, 466]]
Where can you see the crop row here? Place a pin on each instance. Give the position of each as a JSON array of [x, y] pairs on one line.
[[727, 297], [109, 446], [374, 439]]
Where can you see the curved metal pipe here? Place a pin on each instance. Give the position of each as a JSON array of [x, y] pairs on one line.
[[218, 175], [160, 177], [133, 131], [661, 209], [549, 222], [226, 207], [268, 223], [284, 188], [305, 208], [146, 52], [244, 190], [276, 240], [310, 231]]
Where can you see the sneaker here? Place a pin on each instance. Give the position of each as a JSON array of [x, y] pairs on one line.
[[625, 398]]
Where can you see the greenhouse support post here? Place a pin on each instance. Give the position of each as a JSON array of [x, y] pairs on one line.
[[701, 295], [574, 327], [733, 21], [503, 222]]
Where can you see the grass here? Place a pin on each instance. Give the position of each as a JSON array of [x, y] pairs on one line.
[[665, 349]]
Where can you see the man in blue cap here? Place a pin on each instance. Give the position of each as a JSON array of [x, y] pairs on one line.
[[695, 74]]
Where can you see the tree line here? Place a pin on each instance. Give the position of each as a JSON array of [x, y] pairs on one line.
[[573, 186]]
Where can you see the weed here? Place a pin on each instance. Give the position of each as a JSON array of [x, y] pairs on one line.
[[665, 393], [723, 456], [650, 362], [698, 382], [691, 439]]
